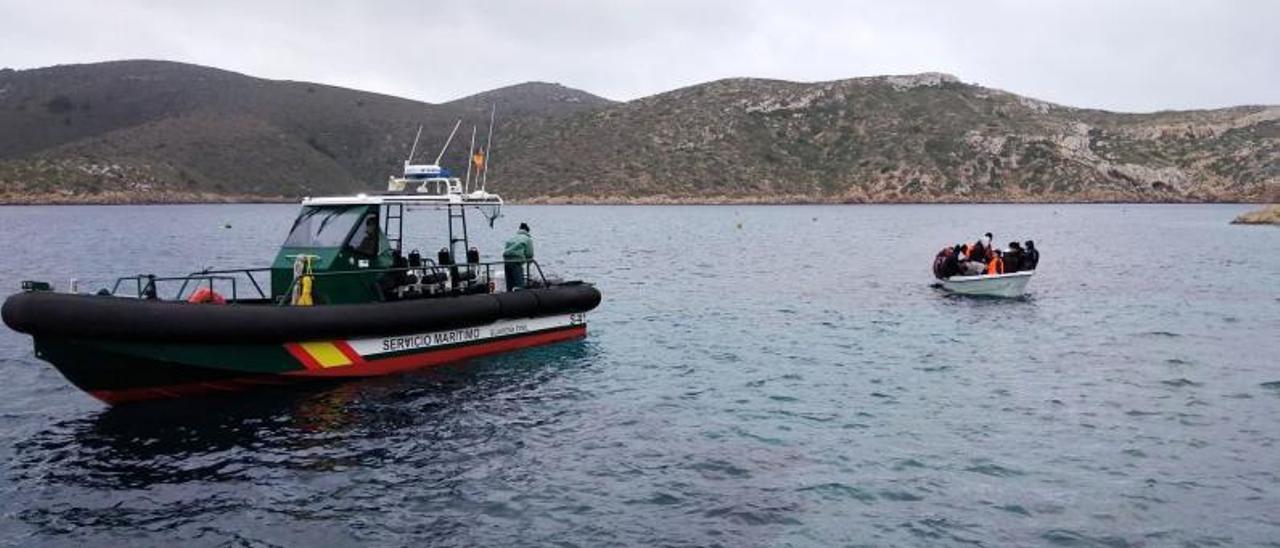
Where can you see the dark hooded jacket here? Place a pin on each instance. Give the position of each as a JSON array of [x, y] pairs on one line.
[[1030, 258], [1013, 259]]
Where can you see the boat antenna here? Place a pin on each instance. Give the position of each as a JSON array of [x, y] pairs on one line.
[[447, 141], [471, 160], [409, 160], [488, 149]]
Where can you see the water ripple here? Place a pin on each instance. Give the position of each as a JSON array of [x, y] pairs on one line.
[[774, 389]]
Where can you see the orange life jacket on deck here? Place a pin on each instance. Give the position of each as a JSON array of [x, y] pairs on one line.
[[995, 266]]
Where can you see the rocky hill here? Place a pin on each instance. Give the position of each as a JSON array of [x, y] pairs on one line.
[[531, 99], [158, 131], [161, 131], [919, 138]]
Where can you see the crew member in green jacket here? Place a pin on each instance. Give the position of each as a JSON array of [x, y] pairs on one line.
[[518, 250]]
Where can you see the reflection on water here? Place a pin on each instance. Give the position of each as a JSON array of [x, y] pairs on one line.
[[415, 429], [310, 426]]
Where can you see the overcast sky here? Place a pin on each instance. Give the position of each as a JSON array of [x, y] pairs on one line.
[[1136, 55]]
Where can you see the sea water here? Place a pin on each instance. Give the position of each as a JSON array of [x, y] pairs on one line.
[[756, 376]]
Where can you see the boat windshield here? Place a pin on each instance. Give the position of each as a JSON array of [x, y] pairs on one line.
[[324, 226]]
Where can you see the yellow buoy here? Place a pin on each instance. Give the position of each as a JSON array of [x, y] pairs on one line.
[[304, 295], [302, 271]]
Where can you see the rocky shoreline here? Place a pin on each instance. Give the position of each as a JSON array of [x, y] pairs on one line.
[[818, 200], [175, 198], [128, 198]]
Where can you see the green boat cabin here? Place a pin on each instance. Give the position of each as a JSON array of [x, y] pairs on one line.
[[340, 238]]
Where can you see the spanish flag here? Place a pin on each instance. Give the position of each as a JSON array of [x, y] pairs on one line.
[[478, 160]]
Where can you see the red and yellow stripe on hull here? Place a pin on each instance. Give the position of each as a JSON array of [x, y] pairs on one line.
[[321, 355], [354, 365], [375, 357]]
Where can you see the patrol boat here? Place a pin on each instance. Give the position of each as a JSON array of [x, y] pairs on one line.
[[341, 299]]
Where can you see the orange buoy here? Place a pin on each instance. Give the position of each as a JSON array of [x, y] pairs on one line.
[[205, 295]]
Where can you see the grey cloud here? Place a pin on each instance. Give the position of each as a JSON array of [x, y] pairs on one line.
[[1133, 55]]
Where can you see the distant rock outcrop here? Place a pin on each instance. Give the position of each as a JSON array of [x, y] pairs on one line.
[[1269, 215]]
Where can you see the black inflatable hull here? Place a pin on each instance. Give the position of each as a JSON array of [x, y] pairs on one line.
[[127, 349]]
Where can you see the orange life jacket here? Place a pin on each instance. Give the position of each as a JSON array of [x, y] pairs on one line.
[[996, 266]]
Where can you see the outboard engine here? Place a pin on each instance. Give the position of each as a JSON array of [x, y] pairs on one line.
[[415, 259], [473, 256]]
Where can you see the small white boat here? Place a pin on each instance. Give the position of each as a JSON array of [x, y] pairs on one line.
[[1012, 284]]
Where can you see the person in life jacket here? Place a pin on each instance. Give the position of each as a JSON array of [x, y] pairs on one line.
[[968, 259], [996, 264], [977, 252]]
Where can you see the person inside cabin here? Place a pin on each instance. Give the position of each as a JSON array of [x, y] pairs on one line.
[[516, 254], [1030, 256], [1013, 257], [365, 241]]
